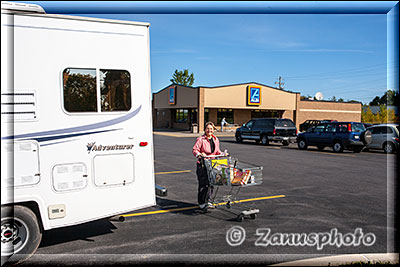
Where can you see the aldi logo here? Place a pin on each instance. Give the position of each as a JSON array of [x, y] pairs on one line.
[[171, 92], [253, 95]]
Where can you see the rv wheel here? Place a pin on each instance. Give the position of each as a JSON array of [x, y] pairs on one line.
[[20, 234]]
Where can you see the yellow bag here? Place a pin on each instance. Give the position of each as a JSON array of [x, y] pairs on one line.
[[216, 162], [221, 170]]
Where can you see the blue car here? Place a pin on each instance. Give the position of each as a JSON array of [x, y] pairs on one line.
[[338, 135]]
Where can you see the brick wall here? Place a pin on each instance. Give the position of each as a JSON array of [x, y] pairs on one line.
[[325, 110]]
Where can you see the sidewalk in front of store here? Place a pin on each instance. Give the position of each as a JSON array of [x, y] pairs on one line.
[[183, 133]]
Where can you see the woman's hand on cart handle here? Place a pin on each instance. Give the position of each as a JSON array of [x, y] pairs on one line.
[[202, 155]]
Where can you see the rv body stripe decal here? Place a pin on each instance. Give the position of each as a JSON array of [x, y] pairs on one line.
[[79, 128], [55, 143], [50, 138]]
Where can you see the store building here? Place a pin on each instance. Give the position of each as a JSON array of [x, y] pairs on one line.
[[179, 107]]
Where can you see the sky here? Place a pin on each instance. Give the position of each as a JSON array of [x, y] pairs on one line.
[[341, 55]]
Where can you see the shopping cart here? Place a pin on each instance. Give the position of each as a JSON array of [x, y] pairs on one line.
[[227, 171]]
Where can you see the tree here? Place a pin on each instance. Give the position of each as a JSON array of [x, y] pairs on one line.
[[390, 97], [392, 118], [383, 114], [375, 101], [367, 116], [183, 78]]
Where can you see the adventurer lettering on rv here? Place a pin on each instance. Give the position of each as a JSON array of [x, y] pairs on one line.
[[93, 147]]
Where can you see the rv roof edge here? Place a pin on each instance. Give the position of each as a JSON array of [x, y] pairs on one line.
[[22, 7], [36, 10]]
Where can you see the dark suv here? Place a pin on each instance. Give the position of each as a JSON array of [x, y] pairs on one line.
[[338, 135], [267, 130]]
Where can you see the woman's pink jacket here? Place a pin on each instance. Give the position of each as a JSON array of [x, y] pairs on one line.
[[203, 145]]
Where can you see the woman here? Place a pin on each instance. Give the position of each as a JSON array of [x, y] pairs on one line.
[[206, 145]]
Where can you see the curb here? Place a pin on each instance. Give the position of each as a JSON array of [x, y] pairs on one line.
[[189, 134], [371, 258]]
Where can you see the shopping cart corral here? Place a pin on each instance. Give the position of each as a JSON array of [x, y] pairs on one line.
[[229, 172]]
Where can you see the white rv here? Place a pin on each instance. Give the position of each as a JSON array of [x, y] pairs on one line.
[[76, 122]]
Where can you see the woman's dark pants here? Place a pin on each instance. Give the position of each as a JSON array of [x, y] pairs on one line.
[[202, 177]]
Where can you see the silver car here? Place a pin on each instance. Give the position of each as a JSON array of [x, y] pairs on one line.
[[385, 136]]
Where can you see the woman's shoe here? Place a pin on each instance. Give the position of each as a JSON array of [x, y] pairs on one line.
[[203, 207]]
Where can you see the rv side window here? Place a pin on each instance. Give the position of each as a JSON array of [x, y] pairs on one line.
[[80, 90], [115, 90]]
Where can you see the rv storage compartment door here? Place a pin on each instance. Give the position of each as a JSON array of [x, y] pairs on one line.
[[69, 177], [113, 169], [26, 163]]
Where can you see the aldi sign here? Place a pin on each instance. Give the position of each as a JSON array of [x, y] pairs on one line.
[[253, 95], [171, 92]]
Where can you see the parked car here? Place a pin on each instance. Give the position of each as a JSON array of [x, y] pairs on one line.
[[367, 125], [338, 135], [267, 130], [385, 136], [310, 123]]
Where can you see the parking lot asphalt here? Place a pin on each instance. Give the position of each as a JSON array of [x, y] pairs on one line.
[[302, 192]]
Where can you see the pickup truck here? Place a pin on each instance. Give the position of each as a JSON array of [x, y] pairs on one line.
[[266, 130]]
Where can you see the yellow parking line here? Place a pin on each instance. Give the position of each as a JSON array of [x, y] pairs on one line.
[[159, 211], [195, 207], [173, 172]]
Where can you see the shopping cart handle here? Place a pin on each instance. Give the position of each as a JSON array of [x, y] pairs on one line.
[[216, 156]]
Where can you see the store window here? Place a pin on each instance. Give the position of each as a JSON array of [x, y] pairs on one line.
[[181, 116], [80, 94], [193, 115], [264, 113], [224, 113]]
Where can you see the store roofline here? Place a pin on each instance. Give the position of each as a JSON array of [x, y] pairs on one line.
[[173, 84], [215, 87], [330, 101], [211, 87]]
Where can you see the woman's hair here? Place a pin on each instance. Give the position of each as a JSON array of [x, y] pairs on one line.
[[210, 123]]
